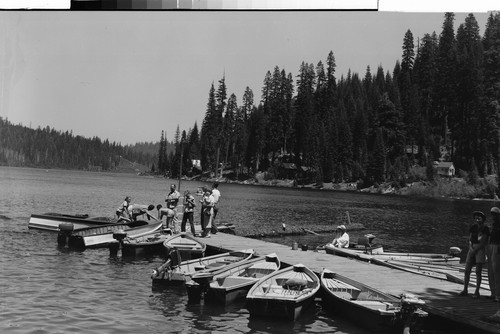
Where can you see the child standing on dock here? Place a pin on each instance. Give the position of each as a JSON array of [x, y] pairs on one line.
[[188, 212], [478, 239]]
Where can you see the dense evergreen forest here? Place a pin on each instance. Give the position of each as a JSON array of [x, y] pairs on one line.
[[441, 101], [48, 148]]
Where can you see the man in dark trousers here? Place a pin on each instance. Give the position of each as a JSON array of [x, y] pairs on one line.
[[476, 256]]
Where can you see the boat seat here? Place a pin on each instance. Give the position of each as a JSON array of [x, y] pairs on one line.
[[257, 272], [183, 244], [375, 304], [296, 284], [339, 287]]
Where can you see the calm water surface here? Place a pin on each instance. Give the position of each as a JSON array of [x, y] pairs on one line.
[[44, 289]]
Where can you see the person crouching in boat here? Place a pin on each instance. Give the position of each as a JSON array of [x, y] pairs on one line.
[[122, 211], [341, 237], [136, 210], [478, 239]]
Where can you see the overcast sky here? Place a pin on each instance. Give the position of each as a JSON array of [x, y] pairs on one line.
[[128, 75]]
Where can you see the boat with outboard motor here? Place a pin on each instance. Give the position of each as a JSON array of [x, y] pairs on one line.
[[177, 271], [109, 237], [283, 294], [51, 221], [96, 236], [151, 243], [366, 251], [233, 282], [379, 311], [186, 244]]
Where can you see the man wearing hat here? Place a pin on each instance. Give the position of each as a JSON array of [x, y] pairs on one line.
[[494, 255], [341, 237], [478, 240]]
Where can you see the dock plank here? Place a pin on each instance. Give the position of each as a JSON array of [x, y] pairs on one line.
[[440, 295]]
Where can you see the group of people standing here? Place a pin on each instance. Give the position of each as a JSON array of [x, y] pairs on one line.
[[208, 203], [484, 248]]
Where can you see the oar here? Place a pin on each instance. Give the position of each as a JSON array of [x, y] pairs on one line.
[[151, 216], [309, 231]]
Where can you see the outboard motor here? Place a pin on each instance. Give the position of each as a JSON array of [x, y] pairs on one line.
[[454, 251], [114, 247], [65, 230], [411, 312]]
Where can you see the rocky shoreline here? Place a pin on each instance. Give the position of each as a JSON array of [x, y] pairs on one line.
[[456, 188]]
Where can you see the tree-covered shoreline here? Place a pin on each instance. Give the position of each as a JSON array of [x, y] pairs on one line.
[[440, 103]]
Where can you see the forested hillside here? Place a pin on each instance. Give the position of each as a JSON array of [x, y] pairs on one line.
[[48, 148]]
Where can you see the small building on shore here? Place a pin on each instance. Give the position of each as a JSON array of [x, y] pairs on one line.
[[445, 168]]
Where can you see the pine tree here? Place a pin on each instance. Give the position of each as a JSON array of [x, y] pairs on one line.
[[491, 47], [209, 134], [445, 85], [469, 119]]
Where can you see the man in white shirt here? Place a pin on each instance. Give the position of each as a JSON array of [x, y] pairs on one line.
[[341, 237], [216, 196]]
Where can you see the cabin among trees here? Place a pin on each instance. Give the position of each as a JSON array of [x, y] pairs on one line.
[[445, 168]]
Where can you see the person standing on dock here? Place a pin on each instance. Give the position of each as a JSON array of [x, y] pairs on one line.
[[494, 255], [341, 237], [188, 212], [216, 195], [208, 212], [478, 240], [172, 200]]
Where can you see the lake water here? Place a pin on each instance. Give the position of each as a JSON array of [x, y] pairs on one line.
[[45, 289]]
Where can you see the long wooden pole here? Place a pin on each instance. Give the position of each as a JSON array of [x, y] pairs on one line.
[[180, 170]]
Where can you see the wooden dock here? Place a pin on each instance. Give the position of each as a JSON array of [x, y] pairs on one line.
[[441, 296]]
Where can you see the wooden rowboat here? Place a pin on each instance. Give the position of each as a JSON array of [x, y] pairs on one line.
[[378, 311], [283, 294], [185, 244], [106, 238], [150, 243], [174, 273], [51, 221], [231, 282], [235, 282], [408, 257], [99, 236]]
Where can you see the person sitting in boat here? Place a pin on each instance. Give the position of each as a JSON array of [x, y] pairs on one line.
[[122, 211], [341, 237], [136, 210], [478, 239]]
